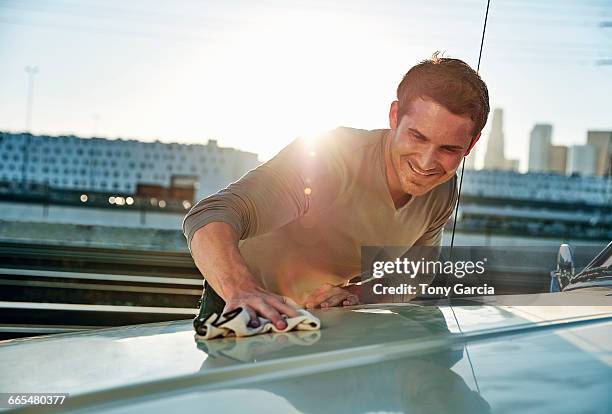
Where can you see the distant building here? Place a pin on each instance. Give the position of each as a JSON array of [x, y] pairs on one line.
[[512, 165], [557, 159], [494, 156], [539, 147], [538, 187], [97, 164], [581, 160], [602, 141]]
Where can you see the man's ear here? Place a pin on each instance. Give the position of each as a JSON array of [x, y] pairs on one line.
[[474, 141], [393, 115]]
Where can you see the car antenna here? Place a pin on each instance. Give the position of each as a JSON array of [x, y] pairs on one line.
[[484, 28]]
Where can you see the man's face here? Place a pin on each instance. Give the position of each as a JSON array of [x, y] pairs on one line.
[[426, 146]]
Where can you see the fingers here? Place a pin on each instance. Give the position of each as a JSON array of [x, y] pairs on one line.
[[280, 305], [330, 295], [351, 301], [340, 299], [254, 323], [270, 313], [260, 307], [258, 302]]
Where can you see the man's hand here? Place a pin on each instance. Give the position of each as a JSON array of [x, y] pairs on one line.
[[215, 252], [329, 295], [257, 301]]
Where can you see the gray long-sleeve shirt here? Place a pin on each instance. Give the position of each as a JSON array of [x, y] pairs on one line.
[[303, 216]]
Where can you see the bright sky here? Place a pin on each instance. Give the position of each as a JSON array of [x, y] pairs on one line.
[[255, 75]]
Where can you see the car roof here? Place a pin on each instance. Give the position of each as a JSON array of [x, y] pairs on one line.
[[84, 362]]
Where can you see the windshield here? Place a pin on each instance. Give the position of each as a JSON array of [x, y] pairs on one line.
[[599, 267]]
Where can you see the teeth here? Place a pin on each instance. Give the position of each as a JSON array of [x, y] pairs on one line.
[[420, 172]]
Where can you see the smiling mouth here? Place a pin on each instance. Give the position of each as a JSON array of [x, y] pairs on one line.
[[420, 172]]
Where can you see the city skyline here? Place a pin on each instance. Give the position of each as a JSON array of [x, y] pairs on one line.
[[594, 157], [192, 73], [591, 158]]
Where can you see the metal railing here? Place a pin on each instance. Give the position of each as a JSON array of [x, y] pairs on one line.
[[50, 289]]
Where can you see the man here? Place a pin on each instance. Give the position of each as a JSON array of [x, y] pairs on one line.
[[293, 227]]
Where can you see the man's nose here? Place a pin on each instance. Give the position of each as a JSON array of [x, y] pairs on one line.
[[427, 158]]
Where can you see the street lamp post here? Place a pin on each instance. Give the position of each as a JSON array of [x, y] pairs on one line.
[[31, 71]]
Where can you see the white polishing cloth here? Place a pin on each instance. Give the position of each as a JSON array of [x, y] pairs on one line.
[[236, 323]]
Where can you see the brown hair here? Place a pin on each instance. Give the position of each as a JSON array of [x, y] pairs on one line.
[[450, 82]]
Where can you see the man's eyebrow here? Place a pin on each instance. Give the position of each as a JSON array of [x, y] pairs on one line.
[[417, 132], [451, 147]]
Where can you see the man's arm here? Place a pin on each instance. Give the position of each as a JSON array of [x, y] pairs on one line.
[[302, 177], [214, 248]]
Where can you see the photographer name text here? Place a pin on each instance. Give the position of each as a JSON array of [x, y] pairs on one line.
[[424, 289]]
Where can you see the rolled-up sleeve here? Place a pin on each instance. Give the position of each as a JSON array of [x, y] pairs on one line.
[[303, 174]]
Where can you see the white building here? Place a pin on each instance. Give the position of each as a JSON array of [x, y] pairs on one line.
[[539, 147], [494, 156], [582, 160], [98, 164]]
